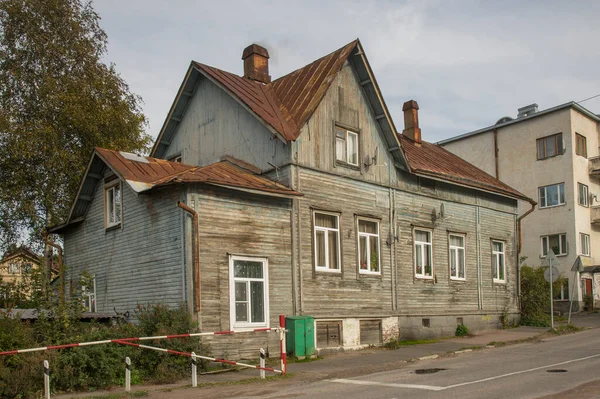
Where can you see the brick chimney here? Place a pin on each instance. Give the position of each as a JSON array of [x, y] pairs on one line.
[[256, 63], [411, 121]]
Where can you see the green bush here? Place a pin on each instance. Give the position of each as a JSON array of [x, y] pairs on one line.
[[588, 301], [99, 366], [461, 330], [535, 296]]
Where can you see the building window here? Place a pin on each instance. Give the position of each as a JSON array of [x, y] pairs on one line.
[[580, 145], [563, 293], [557, 243], [584, 243], [113, 201], [549, 146], [13, 268], [327, 242], [368, 247], [423, 255], [89, 295], [583, 196], [346, 146], [27, 267], [248, 292], [552, 195], [457, 256], [498, 262]]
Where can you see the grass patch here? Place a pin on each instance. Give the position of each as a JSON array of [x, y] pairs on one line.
[[566, 329], [122, 395], [400, 344]]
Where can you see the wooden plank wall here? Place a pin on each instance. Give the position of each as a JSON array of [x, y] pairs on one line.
[[216, 125], [249, 225], [140, 263]]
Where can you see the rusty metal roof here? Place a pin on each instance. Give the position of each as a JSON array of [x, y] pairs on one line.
[[145, 173], [261, 99], [301, 91], [431, 160]]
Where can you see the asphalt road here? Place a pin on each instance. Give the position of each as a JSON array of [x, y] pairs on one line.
[[518, 371]]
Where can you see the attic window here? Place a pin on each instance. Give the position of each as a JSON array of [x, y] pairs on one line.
[[113, 204], [346, 146]]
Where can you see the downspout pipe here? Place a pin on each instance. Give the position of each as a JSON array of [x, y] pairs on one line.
[[520, 246], [195, 251], [61, 268]]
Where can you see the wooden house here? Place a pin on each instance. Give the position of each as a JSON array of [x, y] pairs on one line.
[[308, 201]]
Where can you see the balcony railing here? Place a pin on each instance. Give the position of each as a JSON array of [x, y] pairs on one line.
[[594, 166], [595, 214]]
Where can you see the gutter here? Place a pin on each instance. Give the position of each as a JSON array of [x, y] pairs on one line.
[[533, 204], [195, 251]]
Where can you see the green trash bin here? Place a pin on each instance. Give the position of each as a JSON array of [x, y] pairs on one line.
[[300, 338]]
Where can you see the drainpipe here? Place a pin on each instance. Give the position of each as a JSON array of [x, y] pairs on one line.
[[496, 151], [520, 245], [61, 268], [195, 251]]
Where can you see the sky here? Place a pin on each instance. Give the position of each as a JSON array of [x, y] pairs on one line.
[[467, 63]]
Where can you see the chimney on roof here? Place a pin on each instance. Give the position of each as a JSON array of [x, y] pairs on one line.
[[411, 121], [256, 63], [527, 110]]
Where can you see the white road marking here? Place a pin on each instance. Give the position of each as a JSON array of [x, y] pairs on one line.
[[522, 371], [436, 388], [383, 384]]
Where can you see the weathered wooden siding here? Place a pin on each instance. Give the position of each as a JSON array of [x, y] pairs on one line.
[[345, 103], [241, 224], [347, 293], [140, 263], [215, 125]]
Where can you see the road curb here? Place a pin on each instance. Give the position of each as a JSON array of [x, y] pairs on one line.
[[429, 357]]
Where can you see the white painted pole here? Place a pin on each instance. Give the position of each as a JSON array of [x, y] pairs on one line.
[[127, 374], [262, 363], [46, 379], [194, 371], [571, 296], [551, 298]]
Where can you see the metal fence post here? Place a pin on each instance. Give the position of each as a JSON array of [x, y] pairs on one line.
[[194, 370], [46, 379], [262, 363], [282, 344], [127, 374]]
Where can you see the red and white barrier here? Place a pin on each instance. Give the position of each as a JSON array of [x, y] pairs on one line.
[[128, 341]]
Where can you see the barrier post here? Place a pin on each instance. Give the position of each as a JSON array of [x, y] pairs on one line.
[[262, 363], [282, 344], [127, 374], [194, 371], [46, 379]]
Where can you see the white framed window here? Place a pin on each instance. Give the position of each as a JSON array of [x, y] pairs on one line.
[[13, 268], [346, 146], [368, 247], [583, 197], [498, 262], [327, 241], [556, 242], [456, 252], [89, 295], [248, 292], [423, 253], [563, 293], [584, 244], [113, 204], [552, 195]]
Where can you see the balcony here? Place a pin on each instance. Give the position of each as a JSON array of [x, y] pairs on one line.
[[595, 215], [594, 166]]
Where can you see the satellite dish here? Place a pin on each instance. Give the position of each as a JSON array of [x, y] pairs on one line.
[[504, 120]]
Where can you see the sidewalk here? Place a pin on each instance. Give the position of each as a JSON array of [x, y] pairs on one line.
[[354, 363]]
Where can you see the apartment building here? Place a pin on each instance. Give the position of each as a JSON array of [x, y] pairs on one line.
[[551, 155]]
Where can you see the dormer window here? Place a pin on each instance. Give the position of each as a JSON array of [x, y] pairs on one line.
[[113, 207], [346, 146]]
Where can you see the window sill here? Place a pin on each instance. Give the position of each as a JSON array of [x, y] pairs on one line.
[[113, 227], [328, 271], [500, 282], [347, 165], [426, 278], [557, 255], [249, 327], [550, 157], [369, 274], [458, 280], [552, 206]]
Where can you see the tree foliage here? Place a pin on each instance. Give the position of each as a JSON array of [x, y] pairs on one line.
[[58, 101], [535, 296]]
